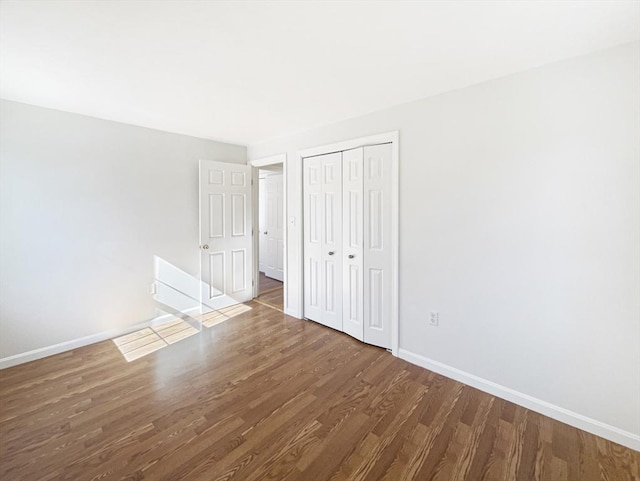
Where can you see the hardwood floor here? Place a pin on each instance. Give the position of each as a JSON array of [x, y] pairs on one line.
[[267, 284], [271, 292], [264, 396]]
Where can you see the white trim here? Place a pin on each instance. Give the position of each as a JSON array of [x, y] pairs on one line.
[[256, 164], [274, 159], [169, 317], [255, 228], [297, 310], [558, 413], [384, 138], [47, 351], [395, 243], [393, 138]]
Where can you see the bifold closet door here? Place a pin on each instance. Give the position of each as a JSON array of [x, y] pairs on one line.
[[322, 203], [366, 177], [347, 242], [352, 236], [377, 172]]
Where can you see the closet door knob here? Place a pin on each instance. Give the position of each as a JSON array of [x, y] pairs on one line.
[[331, 253], [351, 256]]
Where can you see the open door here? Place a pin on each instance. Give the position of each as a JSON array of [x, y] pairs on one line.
[[226, 245], [274, 229]]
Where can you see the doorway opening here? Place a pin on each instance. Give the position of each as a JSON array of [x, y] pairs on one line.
[[270, 226]]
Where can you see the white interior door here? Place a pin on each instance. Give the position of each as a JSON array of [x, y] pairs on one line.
[[226, 244], [274, 229], [312, 214], [377, 244], [262, 224], [322, 205], [352, 234]]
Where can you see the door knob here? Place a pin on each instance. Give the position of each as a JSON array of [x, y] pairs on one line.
[[206, 246], [265, 233], [351, 256], [331, 253]]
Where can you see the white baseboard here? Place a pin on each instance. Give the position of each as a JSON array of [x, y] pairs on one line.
[[47, 351], [579, 421], [168, 317]]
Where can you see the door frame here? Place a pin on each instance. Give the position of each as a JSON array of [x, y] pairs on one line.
[[256, 164], [393, 138]]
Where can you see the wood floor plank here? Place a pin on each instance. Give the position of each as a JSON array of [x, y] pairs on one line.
[[271, 292], [262, 396], [119, 341]]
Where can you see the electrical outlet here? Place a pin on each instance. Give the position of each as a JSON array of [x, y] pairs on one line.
[[434, 318]]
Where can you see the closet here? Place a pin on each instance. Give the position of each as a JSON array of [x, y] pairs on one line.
[[347, 242]]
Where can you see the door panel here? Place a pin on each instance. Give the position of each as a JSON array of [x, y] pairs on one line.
[[216, 274], [262, 224], [352, 288], [238, 215], [377, 243], [225, 234], [239, 270], [322, 204], [332, 245], [216, 216], [274, 261], [312, 207]]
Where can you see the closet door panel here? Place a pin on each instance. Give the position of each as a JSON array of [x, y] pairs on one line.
[[332, 240], [313, 215], [352, 235], [377, 245], [323, 239]]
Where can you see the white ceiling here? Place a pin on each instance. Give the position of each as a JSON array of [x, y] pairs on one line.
[[245, 72]]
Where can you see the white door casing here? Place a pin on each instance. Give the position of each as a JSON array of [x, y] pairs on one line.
[[274, 265], [226, 242], [352, 235], [322, 205]]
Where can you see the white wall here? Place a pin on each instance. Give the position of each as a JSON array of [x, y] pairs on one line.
[[85, 205], [520, 224]]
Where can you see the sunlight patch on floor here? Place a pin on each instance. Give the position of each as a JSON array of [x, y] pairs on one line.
[[140, 343], [175, 331], [150, 339], [212, 318]]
